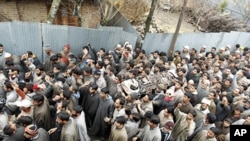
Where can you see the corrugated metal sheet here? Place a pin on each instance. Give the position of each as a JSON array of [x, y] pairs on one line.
[[55, 35], [122, 36], [157, 41], [162, 41], [111, 28], [19, 37], [120, 21], [6, 37], [77, 37]]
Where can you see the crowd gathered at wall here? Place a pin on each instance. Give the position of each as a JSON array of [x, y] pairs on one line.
[[124, 95]]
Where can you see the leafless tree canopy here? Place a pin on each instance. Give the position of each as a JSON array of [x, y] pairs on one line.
[[207, 18]]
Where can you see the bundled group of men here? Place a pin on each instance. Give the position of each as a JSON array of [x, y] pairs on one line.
[[124, 94]]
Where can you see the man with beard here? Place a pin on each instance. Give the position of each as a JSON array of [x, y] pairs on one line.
[[184, 64], [227, 74], [91, 104], [156, 69], [236, 114], [185, 52], [214, 81], [100, 67], [99, 80], [118, 111], [217, 72], [144, 129], [246, 108], [176, 59], [223, 108], [240, 79], [109, 77], [101, 125], [203, 107], [154, 132], [158, 100], [203, 50], [193, 91], [79, 116], [144, 105], [227, 85], [184, 125], [34, 133], [13, 132], [224, 127], [57, 71], [11, 97], [178, 92], [118, 132], [186, 104], [48, 65], [132, 124], [3, 56], [65, 53], [84, 84], [115, 89], [203, 90], [125, 71], [211, 96], [243, 121], [194, 75], [181, 75], [207, 135], [69, 127], [41, 111], [39, 75]]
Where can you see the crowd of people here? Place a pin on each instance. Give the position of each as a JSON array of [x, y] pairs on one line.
[[124, 94]]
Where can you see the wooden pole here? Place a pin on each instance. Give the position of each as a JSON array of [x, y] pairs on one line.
[[170, 52]]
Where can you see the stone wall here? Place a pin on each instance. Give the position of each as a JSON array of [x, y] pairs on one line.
[[8, 10], [36, 11]]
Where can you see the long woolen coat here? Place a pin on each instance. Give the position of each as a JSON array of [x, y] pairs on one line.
[[105, 109]]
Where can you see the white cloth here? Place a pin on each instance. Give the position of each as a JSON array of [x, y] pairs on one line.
[[81, 127]]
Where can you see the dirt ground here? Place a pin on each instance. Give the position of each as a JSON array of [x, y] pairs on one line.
[[163, 21], [167, 21]]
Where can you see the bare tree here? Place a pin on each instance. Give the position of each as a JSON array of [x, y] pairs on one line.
[[53, 10], [170, 52], [150, 16], [244, 9], [77, 10]]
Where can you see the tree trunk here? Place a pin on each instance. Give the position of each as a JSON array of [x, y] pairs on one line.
[[77, 12], [170, 52], [53, 10], [150, 16]]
